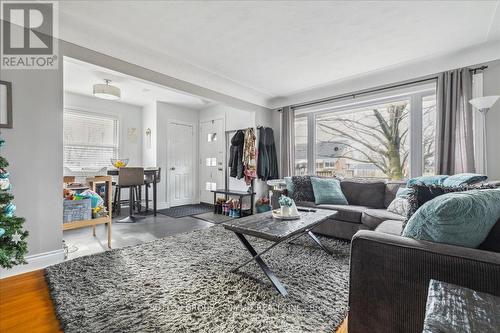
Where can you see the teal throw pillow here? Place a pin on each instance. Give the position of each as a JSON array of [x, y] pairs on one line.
[[462, 179], [427, 180], [458, 218], [328, 191], [403, 192]]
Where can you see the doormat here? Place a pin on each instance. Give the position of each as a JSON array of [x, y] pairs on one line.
[[187, 210]]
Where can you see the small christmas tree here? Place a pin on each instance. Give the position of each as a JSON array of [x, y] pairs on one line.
[[13, 245]]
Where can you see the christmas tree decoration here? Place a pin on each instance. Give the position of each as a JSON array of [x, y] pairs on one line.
[[13, 244]]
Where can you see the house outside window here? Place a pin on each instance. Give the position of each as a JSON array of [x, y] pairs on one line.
[[90, 140], [389, 136]]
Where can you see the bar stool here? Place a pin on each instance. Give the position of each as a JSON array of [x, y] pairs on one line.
[[130, 178], [148, 180]]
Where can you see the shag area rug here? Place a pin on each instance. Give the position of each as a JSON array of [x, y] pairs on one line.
[[187, 210], [182, 283]]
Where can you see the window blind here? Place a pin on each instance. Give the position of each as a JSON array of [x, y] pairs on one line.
[[90, 140]]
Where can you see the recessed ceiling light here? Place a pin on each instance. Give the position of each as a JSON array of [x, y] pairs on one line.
[[106, 91]]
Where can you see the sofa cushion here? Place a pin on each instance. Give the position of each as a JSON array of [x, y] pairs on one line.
[[392, 227], [391, 189], [349, 213], [370, 194], [373, 217], [461, 218]]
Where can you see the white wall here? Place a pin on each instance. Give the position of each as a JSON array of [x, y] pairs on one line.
[[149, 120], [165, 113], [34, 150], [491, 86], [129, 116]]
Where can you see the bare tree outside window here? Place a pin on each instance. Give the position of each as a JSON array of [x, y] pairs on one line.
[[372, 142]]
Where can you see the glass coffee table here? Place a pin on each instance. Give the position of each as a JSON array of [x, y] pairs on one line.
[[266, 227]]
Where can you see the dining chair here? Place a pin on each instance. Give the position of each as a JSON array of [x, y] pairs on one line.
[[148, 180], [130, 178]]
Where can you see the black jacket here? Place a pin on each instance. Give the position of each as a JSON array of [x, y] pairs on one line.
[[236, 155], [267, 161]]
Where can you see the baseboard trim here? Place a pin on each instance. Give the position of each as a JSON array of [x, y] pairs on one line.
[[35, 262]]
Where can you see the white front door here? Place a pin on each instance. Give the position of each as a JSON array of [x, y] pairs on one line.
[[212, 147], [180, 163]]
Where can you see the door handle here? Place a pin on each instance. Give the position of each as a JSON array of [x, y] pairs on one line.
[[172, 168], [220, 169]]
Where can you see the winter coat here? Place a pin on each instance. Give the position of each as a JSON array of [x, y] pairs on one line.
[[236, 155], [267, 161]]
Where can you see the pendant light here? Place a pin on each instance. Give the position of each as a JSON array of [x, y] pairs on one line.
[[106, 91]]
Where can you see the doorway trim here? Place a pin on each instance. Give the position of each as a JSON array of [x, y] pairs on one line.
[[194, 173], [224, 157]]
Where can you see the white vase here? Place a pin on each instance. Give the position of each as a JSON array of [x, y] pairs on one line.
[[285, 211]]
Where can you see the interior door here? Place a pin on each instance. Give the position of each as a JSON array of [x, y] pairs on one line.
[[180, 163], [212, 147]]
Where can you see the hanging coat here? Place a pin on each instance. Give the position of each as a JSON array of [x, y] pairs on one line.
[[249, 156], [236, 155], [267, 161]]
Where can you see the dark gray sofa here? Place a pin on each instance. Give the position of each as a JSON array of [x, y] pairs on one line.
[[390, 274], [367, 209]]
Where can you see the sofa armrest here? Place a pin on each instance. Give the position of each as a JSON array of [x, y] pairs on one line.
[[390, 276]]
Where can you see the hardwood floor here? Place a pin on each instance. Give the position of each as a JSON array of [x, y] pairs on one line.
[[26, 306]]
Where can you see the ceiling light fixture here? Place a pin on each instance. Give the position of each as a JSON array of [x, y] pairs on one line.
[[106, 91]]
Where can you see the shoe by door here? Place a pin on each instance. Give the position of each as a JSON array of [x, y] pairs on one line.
[[212, 147], [180, 161]]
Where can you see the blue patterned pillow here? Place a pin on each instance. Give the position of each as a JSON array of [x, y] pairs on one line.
[[328, 191], [458, 218], [462, 179]]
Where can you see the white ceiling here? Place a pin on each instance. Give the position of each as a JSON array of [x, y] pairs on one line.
[[79, 77], [262, 50]]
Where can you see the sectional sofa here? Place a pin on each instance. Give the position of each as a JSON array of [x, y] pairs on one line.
[[390, 274], [367, 209]]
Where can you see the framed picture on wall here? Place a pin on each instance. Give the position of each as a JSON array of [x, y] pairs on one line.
[[5, 104]]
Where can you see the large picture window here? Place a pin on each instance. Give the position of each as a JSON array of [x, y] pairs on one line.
[[390, 137], [90, 140]]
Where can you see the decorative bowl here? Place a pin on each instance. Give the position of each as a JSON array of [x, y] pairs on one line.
[[119, 162]]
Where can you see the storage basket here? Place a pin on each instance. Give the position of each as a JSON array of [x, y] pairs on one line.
[[77, 210]]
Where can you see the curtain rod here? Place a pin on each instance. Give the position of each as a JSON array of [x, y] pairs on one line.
[[374, 90], [364, 92]]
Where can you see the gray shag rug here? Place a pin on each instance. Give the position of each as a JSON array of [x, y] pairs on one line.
[[182, 283]]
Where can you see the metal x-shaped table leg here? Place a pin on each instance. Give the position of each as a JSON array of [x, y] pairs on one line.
[[270, 275]]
